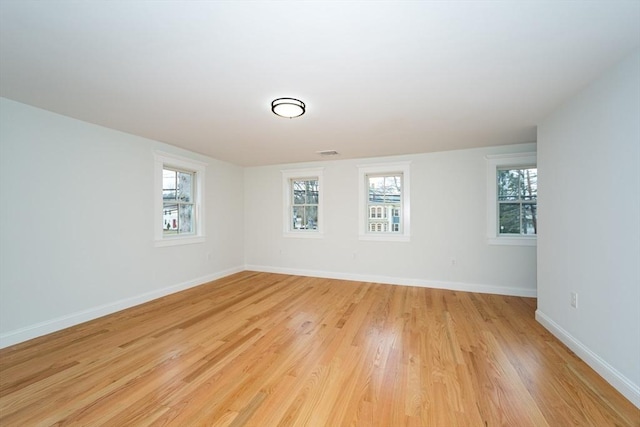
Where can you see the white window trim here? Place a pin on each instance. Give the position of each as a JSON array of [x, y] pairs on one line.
[[363, 211], [494, 162], [287, 175], [170, 160]]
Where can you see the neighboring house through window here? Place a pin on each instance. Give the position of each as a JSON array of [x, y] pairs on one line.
[[178, 202], [384, 201]]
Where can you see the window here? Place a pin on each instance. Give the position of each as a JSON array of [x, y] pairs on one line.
[[179, 211], [177, 202], [384, 201], [377, 212], [302, 194], [517, 196], [385, 193], [512, 193], [304, 206]]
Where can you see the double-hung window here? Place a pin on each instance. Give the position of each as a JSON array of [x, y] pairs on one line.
[[178, 203], [384, 201], [179, 213], [302, 195], [517, 201], [512, 194]]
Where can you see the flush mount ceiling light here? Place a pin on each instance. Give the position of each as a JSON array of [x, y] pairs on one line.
[[288, 107]]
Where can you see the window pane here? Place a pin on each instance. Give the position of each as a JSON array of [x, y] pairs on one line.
[[509, 184], [376, 189], [393, 187], [168, 184], [312, 192], [530, 184], [298, 217], [185, 218], [509, 218], [305, 217], [185, 186], [529, 219], [311, 217], [170, 219], [298, 192]]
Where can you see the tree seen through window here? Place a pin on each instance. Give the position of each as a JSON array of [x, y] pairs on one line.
[[517, 201]]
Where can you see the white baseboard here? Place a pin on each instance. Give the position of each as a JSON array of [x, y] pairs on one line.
[[621, 383], [453, 286], [62, 322]]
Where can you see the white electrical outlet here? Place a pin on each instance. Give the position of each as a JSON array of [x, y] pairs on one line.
[[574, 299]]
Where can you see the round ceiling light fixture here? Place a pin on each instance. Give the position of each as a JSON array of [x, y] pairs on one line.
[[288, 107]]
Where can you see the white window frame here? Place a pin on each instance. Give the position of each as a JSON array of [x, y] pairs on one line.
[[287, 221], [403, 168], [173, 161], [501, 161]]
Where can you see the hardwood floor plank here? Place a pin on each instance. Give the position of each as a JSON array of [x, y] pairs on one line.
[[262, 349]]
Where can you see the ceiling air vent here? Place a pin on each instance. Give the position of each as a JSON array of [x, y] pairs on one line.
[[327, 153]]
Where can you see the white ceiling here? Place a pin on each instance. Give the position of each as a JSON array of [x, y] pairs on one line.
[[378, 78]]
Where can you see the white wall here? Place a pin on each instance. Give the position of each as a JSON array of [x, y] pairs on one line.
[[76, 223], [448, 221], [589, 222]]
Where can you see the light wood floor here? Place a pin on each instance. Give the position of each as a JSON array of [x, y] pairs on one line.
[[258, 349]]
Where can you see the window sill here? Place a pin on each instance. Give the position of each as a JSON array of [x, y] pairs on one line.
[[176, 241], [513, 241], [385, 237]]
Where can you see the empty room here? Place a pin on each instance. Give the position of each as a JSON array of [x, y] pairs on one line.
[[320, 213]]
